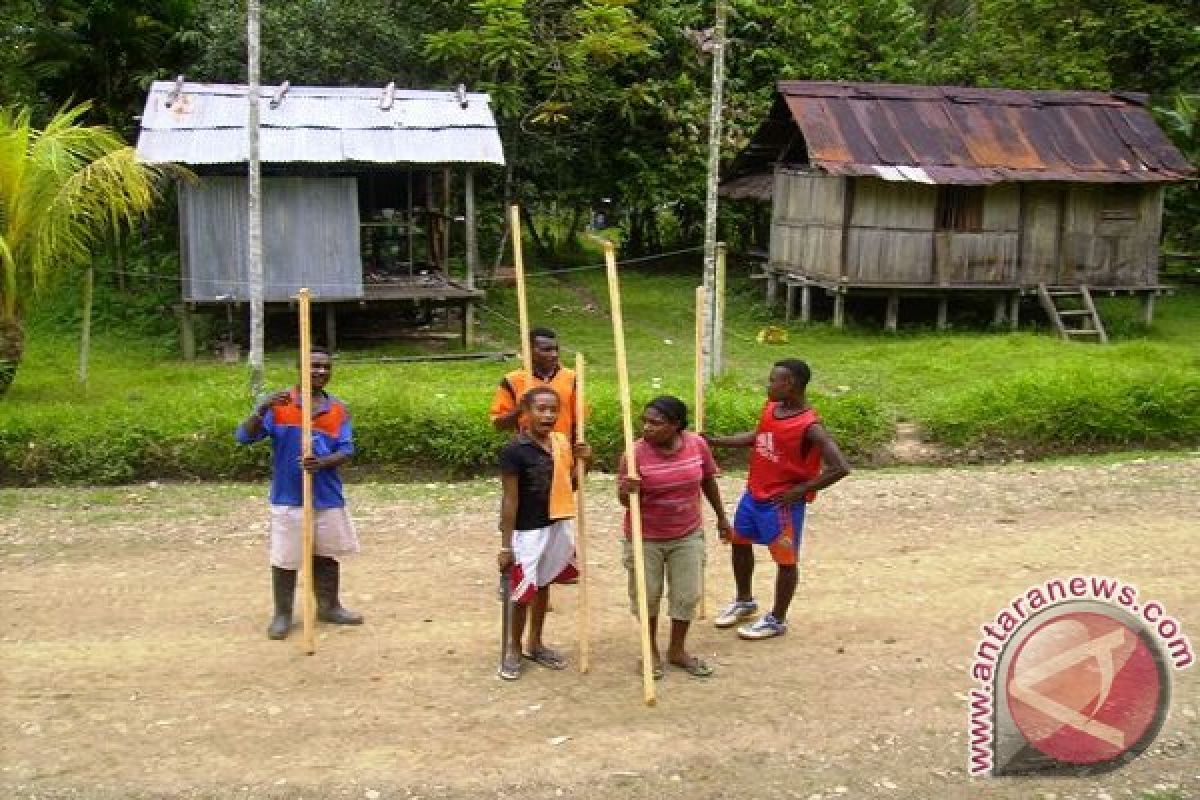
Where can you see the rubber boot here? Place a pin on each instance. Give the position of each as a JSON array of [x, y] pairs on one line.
[[283, 582], [326, 576]]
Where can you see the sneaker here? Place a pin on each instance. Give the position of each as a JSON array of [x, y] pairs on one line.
[[737, 611], [766, 628]]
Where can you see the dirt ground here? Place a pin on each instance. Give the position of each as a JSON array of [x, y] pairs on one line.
[[134, 664]]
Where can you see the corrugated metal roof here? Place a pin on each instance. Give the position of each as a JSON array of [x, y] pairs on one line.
[[938, 134], [206, 124]]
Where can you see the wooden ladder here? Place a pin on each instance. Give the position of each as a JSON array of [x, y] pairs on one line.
[[1082, 320]]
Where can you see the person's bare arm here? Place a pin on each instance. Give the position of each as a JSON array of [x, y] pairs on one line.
[[508, 519], [712, 492], [731, 440], [252, 425], [834, 466]]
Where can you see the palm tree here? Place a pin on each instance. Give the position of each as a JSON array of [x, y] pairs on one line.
[[62, 188]]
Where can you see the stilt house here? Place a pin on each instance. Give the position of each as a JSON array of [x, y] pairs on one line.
[[926, 190], [368, 193]]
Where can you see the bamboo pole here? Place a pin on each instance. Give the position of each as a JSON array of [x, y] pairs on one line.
[[699, 422], [718, 329], [635, 504], [308, 642], [514, 221], [585, 610]]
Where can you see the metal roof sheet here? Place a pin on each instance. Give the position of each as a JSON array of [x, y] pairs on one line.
[[964, 135], [206, 124]]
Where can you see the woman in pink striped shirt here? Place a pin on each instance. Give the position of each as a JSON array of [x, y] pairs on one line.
[[674, 467]]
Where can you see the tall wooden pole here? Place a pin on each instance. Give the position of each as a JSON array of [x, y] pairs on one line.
[[514, 221], [718, 329], [710, 200], [308, 642], [698, 416], [585, 610], [85, 336], [254, 248], [635, 503]]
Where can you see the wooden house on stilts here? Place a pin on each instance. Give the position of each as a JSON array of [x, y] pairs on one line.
[[902, 191], [368, 194]]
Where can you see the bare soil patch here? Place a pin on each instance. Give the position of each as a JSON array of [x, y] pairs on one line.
[[135, 663]]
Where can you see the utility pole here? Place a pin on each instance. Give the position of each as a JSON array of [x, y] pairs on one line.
[[254, 248], [712, 343]]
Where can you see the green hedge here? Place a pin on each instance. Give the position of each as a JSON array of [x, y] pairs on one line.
[[1074, 409], [405, 431]]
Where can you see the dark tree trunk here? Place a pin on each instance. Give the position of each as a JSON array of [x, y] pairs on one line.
[[538, 244], [12, 346]]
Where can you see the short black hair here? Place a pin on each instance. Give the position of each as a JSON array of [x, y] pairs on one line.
[[530, 394], [312, 351], [671, 407], [541, 333], [801, 374]]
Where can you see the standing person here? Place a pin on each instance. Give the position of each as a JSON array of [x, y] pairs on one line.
[[280, 417], [506, 412], [537, 516], [674, 467], [794, 457]]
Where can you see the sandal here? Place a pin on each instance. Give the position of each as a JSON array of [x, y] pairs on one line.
[[696, 667], [550, 659], [510, 670]]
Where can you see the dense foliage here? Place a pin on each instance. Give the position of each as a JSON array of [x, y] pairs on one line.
[[605, 98]]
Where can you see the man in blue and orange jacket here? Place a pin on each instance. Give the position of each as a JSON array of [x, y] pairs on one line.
[[280, 418]]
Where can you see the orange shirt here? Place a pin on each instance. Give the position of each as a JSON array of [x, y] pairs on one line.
[[516, 383]]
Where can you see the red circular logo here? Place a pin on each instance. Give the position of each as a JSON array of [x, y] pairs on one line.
[[1084, 688]]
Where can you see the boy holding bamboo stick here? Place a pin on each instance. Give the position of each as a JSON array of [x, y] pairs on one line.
[[279, 418]]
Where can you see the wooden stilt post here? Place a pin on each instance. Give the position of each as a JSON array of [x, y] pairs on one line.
[[514, 221], [943, 312], [892, 320], [839, 308], [635, 503], [308, 641], [806, 303], [998, 311], [1014, 308], [581, 560], [331, 327], [698, 416]]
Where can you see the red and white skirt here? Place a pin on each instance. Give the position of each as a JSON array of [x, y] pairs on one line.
[[542, 556]]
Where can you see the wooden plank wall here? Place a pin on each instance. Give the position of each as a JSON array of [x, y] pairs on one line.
[[890, 227], [1098, 235], [986, 256], [1110, 235], [806, 223]]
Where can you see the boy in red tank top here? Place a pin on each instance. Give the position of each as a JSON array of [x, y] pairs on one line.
[[793, 458]]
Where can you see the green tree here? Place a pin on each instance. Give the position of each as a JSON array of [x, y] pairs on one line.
[[1181, 120], [108, 52], [62, 188]]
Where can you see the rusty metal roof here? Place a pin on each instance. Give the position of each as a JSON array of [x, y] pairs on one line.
[[205, 123], [954, 135]]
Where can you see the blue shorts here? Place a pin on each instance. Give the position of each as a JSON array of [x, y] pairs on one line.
[[780, 528]]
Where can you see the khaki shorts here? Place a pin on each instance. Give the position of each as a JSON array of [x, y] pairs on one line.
[[680, 562], [334, 535]]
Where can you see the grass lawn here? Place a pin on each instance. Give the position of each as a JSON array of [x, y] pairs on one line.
[[145, 412]]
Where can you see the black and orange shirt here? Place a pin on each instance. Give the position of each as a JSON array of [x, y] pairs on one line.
[[516, 383], [332, 433], [544, 490]]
